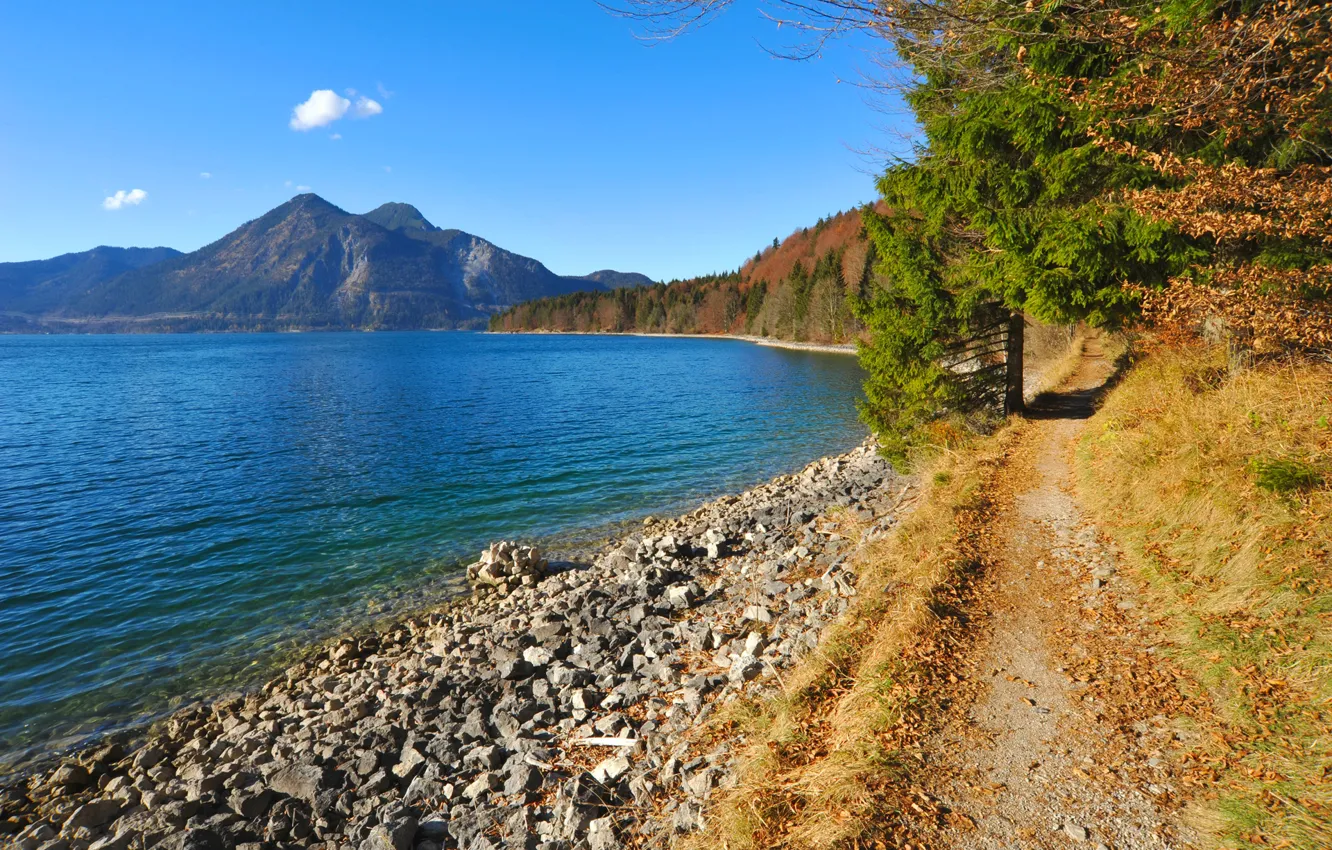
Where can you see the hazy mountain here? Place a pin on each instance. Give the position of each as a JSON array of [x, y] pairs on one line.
[[41, 286], [618, 280], [305, 264]]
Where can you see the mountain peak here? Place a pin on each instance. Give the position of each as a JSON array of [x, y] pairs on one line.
[[395, 216]]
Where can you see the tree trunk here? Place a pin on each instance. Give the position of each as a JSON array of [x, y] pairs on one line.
[[1013, 402]]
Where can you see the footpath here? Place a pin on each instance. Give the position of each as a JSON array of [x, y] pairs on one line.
[[1057, 735]]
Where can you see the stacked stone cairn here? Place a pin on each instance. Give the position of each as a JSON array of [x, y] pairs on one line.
[[505, 566]]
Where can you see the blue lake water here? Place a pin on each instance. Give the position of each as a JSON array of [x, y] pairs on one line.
[[176, 512]]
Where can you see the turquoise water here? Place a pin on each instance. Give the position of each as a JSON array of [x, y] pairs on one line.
[[177, 511]]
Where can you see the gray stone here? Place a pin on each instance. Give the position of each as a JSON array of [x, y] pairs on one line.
[[516, 670], [113, 842], [601, 834], [427, 786], [758, 614], [433, 828], [611, 769], [395, 835], [410, 763], [302, 781], [71, 776], [482, 785], [488, 757], [521, 779], [94, 813], [251, 802], [1076, 832], [746, 668]]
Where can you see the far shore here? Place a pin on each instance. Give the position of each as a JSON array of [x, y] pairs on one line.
[[821, 347]]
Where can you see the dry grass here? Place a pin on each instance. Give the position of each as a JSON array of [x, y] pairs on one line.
[[827, 762], [1052, 354], [1215, 487]]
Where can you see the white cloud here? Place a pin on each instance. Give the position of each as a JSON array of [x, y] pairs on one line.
[[336, 136], [132, 198], [323, 107], [383, 92], [207, 175], [365, 107], [287, 183], [302, 188]]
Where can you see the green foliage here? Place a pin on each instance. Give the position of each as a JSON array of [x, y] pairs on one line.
[[1009, 205], [804, 305], [1286, 475]]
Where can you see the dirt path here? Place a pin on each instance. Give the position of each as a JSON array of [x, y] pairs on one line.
[[1056, 739]]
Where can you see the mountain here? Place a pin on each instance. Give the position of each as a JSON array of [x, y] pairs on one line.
[[305, 264], [618, 280], [41, 286], [406, 217]]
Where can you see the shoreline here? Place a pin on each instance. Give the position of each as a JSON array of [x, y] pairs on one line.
[[707, 565], [817, 347], [572, 547]]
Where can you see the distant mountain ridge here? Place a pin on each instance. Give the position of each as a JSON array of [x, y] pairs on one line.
[[306, 264], [40, 286]]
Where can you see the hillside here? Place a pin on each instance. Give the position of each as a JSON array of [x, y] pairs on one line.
[[795, 289], [40, 286], [305, 264]]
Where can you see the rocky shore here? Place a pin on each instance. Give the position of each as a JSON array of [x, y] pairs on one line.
[[555, 708]]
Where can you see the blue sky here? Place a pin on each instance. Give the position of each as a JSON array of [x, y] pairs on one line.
[[542, 126]]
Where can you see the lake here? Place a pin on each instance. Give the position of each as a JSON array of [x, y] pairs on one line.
[[178, 512]]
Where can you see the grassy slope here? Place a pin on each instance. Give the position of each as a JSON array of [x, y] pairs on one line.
[[827, 763], [1215, 489], [1236, 572]]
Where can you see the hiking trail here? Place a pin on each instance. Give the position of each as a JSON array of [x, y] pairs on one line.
[[1059, 736]]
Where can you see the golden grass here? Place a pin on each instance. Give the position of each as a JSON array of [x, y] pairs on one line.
[[825, 763], [1058, 358], [1216, 489]]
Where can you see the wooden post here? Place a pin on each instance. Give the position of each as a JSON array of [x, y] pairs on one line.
[[1013, 402]]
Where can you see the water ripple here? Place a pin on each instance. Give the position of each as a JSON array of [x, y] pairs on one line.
[[174, 509]]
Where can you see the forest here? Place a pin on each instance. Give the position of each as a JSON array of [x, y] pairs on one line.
[[804, 288]]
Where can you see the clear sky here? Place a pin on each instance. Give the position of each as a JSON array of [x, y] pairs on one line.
[[545, 127]]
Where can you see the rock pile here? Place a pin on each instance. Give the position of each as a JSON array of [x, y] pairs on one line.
[[556, 714], [505, 566]]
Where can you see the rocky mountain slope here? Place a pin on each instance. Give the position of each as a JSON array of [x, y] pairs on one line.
[[305, 264]]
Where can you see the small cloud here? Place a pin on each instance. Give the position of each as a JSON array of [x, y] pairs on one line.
[[365, 107], [132, 198], [206, 175], [383, 92], [388, 169], [323, 107], [286, 183], [336, 137], [302, 188]]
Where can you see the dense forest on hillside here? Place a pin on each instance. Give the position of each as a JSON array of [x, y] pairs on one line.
[[803, 288]]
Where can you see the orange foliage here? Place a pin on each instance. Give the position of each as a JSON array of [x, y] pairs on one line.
[[1257, 83], [806, 246]]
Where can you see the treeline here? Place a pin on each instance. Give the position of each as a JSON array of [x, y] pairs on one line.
[[814, 302]]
